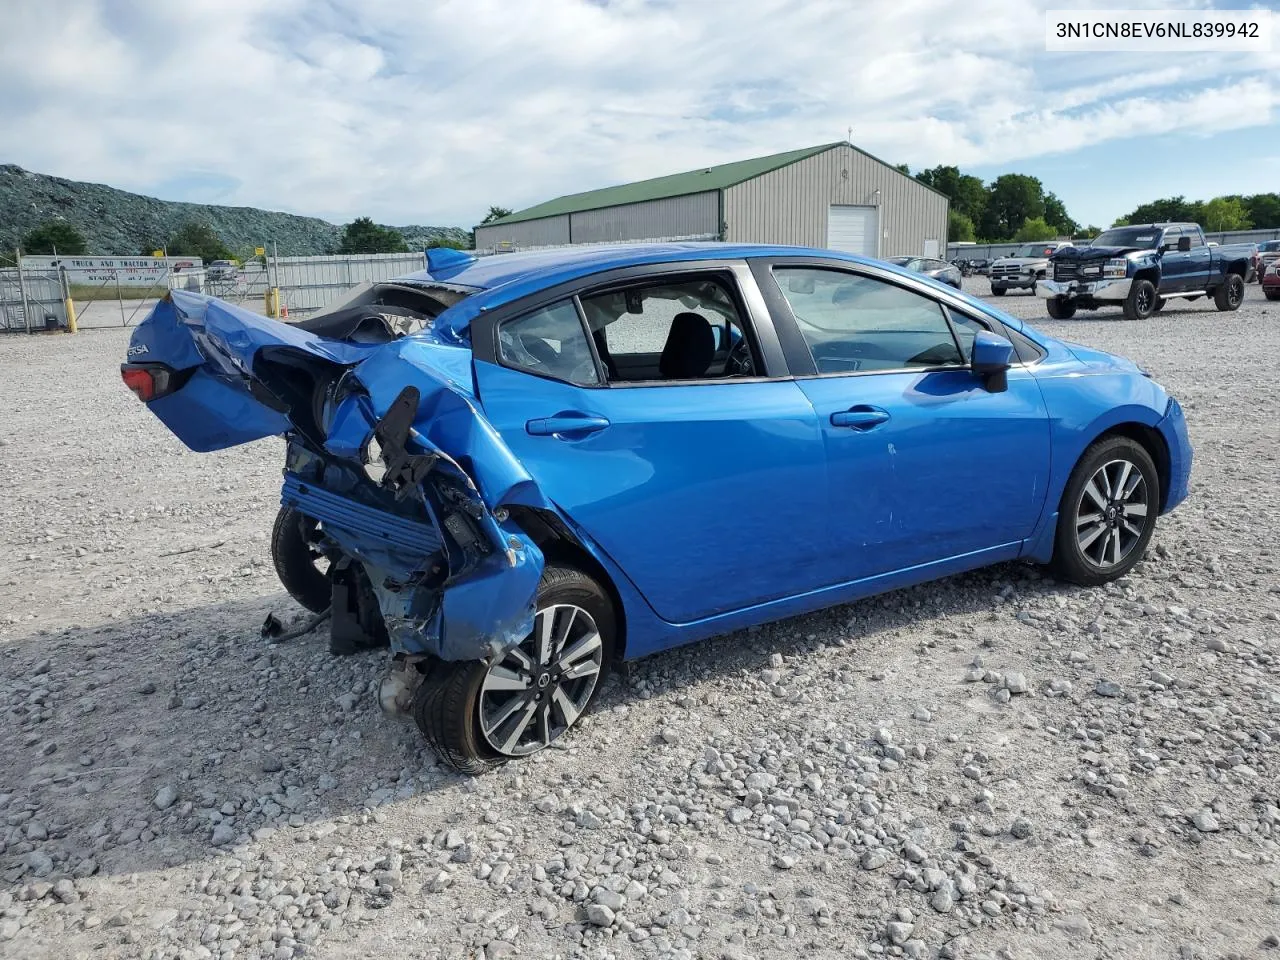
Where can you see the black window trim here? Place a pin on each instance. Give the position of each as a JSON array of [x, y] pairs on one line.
[[793, 340], [758, 321]]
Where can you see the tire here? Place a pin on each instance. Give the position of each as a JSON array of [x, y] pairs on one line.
[[998, 291], [450, 706], [296, 561], [1114, 547], [1230, 293], [1060, 308], [1140, 303], [1271, 294]]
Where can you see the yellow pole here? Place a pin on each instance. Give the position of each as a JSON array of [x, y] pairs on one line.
[[68, 303]]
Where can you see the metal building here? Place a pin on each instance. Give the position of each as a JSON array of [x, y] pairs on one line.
[[833, 195]]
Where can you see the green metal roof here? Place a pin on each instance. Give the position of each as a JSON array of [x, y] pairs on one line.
[[673, 185]]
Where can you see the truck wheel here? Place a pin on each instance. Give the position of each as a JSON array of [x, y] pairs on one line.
[[302, 569], [1060, 308], [477, 714], [1141, 301], [1230, 293], [1271, 294], [997, 291], [1107, 514]]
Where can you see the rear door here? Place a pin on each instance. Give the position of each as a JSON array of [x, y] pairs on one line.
[[924, 462], [708, 488]]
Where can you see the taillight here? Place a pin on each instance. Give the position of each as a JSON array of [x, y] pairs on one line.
[[140, 382], [150, 381]]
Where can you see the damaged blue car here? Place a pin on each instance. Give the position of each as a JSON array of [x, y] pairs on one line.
[[516, 470]]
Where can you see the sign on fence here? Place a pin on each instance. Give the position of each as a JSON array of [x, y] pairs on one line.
[[127, 271]]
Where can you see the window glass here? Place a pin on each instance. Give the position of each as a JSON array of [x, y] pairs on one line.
[[854, 323], [1170, 239], [551, 343], [966, 329], [1194, 235], [670, 329]]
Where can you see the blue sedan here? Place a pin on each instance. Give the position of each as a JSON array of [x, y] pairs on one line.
[[516, 470]]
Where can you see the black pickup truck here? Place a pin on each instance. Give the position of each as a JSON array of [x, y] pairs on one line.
[[1141, 267]]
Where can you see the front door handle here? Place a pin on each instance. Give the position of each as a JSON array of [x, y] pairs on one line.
[[861, 417], [568, 425]]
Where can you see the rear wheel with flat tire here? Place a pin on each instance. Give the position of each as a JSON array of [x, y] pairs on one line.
[[1060, 308], [300, 564], [1107, 514], [1230, 293], [1141, 302], [997, 291], [478, 714]]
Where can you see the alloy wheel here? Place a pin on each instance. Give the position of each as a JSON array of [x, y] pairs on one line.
[[536, 691], [1145, 300], [1112, 513]]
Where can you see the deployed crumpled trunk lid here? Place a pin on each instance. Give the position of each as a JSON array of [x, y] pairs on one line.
[[390, 453]]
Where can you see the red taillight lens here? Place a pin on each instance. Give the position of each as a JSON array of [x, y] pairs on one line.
[[140, 380]]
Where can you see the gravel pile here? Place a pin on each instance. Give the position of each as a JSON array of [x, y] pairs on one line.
[[990, 766]]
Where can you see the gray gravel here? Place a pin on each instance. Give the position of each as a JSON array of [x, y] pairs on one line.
[[993, 765]]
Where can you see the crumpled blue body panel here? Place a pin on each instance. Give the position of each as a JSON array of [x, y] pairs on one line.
[[486, 601]]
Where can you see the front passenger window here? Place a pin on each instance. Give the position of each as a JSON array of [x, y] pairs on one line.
[[854, 323]]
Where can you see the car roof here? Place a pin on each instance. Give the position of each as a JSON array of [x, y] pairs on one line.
[[498, 279], [502, 277]]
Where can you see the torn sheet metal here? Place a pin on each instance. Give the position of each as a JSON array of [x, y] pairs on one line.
[[451, 579]]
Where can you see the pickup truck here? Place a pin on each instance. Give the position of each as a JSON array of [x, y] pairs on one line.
[[1021, 269], [1140, 268]]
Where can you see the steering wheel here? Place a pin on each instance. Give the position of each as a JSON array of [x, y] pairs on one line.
[[738, 363]]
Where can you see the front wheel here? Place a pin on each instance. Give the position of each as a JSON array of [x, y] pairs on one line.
[[1141, 302], [997, 291], [1107, 514], [478, 714], [1060, 308], [1230, 293], [1271, 294]]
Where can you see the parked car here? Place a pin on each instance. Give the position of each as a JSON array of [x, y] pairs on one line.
[[1141, 267], [1022, 268], [939, 270], [1271, 280], [1268, 253], [981, 265], [597, 453], [222, 270]]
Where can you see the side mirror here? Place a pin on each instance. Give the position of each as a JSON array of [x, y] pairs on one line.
[[991, 358], [1184, 244]]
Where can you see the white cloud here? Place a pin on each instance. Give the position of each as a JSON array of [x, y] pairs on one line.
[[417, 112]]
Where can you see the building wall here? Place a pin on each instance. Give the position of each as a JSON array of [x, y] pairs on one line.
[[789, 205], [547, 232], [696, 215]]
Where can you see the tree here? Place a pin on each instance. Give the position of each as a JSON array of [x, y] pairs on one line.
[[1263, 210], [447, 243], [1169, 208], [1225, 213], [1014, 199], [496, 213], [1055, 214], [55, 236], [362, 235], [1086, 233], [195, 239], [903, 169], [967, 193], [1035, 228], [959, 227]]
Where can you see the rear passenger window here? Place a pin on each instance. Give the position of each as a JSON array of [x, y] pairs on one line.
[[854, 323], [550, 342]]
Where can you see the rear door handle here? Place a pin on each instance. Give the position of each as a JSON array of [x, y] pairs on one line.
[[859, 418], [567, 425]]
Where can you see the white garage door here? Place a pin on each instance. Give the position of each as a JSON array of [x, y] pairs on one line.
[[853, 229]]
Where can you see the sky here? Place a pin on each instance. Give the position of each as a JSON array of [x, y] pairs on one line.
[[429, 112]]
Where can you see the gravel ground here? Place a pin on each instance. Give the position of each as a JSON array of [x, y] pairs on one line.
[[990, 766]]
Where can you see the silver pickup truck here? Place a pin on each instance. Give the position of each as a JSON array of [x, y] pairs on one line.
[[1022, 268]]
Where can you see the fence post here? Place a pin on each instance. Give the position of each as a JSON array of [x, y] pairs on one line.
[[119, 298], [67, 302], [22, 291]]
